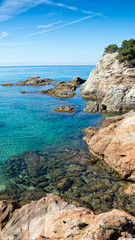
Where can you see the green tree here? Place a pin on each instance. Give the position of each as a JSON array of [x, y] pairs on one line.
[[127, 52], [112, 48]]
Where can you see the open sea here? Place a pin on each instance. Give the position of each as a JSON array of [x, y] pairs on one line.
[[43, 151]]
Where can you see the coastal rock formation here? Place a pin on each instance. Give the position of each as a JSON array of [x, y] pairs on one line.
[[107, 74], [114, 142], [64, 93], [68, 109], [36, 81], [53, 218], [91, 107]]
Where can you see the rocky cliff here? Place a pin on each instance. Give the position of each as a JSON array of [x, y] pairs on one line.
[[114, 142], [107, 74], [53, 218]]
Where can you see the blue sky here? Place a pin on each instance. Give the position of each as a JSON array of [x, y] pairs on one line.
[[47, 32]]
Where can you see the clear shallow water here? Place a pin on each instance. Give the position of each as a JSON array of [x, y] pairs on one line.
[[60, 162], [27, 121]]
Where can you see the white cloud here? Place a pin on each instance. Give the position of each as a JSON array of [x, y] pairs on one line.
[[3, 35], [49, 25], [11, 8], [66, 24]]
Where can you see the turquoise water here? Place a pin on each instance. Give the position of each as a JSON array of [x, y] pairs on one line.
[[28, 121], [43, 151]]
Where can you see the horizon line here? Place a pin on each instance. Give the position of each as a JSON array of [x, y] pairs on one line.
[[47, 65]]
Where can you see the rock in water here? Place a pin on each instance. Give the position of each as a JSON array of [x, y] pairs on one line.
[[78, 80], [66, 85], [107, 74], [91, 107], [65, 93], [35, 80], [53, 218], [68, 109], [7, 84], [114, 142]]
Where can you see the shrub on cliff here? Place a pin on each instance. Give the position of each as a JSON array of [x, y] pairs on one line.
[[112, 48], [127, 52]]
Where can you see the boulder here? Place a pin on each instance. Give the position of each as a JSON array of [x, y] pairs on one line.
[[107, 74], [66, 85], [113, 100], [114, 142], [53, 218], [91, 107], [118, 98], [129, 100], [65, 93], [67, 109], [78, 80]]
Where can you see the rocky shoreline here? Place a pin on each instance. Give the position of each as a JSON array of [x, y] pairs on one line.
[[53, 218]]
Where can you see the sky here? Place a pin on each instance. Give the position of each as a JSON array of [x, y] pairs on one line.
[[62, 32]]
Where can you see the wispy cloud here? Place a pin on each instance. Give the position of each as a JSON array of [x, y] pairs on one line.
[[3, 35], [65, 25], [49, 25], [11, 44], [9, 9]]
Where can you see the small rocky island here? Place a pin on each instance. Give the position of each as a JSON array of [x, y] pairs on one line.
[[65, 89]]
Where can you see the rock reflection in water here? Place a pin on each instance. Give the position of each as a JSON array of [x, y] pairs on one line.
[[68, 173]]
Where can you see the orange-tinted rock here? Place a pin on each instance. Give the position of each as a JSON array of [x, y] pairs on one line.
[[65, 93], [6, 211], [68, 109], [7, 84], [114, 142], [19, 84], [53, 218], [23, 92]]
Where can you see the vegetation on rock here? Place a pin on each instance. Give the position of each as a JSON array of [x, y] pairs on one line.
[[126, 53], [111, 49]]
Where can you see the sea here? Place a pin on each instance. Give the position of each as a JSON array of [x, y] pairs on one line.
[[43, 151]]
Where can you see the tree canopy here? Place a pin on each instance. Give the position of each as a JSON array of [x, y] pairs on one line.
[[111, 49], [126, 53]]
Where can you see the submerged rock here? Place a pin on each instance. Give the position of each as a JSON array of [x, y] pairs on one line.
[[66, 172], [91, 107], [107, 74], [68, 109], [114, 142], [53, 218], [65, 93]]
